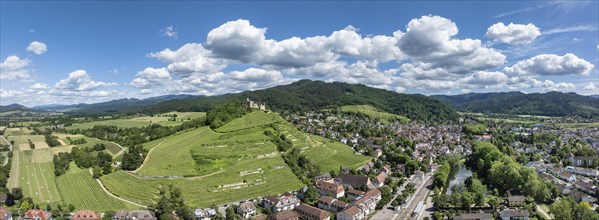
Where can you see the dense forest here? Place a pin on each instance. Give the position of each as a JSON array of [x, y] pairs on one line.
[[549, 104]]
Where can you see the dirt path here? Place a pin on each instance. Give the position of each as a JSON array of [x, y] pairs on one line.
[[114, 196], [15, 165], [148, 156]]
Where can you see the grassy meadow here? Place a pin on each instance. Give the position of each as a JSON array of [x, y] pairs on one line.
[[141, 121], [373, 112]]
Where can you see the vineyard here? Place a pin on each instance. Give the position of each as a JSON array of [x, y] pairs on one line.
[[80, 190]]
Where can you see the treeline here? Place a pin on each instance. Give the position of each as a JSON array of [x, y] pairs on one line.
[[518, 103], [474, 129], [84, 158], [220, 115], [301, 166]]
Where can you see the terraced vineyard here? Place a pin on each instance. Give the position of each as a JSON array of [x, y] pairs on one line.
[[325, 153], [78, 188], [237, 162]]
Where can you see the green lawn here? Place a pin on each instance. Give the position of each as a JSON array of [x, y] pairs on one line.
[[373, 112], [141, 121], [111, 148], [79, 189]]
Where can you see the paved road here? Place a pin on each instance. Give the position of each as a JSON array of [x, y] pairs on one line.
[[418, 196], [388, 211]]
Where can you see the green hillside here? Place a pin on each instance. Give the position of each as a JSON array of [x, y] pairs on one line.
[[517, 103], [237, 161]]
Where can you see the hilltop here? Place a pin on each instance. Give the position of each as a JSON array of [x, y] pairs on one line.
[[307, 95], [547, 104]]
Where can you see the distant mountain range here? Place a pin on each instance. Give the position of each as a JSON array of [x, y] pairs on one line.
[[548, 104], [13, 107], [313, 95], [114, 106]]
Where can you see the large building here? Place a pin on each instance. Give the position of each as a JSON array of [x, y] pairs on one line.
[[246, 209], [307, 212], [251, 104], [334, 190], [355, 181]]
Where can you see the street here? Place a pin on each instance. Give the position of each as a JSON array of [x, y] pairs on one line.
[[389, 212]]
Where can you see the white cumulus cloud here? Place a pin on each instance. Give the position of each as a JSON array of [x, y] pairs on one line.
[[513, 33], [79, 80], [13, 67], [551, 64], [170, 31], [37, 47]]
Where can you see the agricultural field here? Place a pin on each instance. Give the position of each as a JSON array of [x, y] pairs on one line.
[[325, 153], [244, 180], [13, 132], [35, 175], [373, 112], [111, 148], [237, 162], [142, 121], [77, 187], [23, 139]]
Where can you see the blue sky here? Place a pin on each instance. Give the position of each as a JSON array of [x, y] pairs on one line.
[[71, 52]]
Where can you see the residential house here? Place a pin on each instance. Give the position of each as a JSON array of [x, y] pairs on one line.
[[378, 153], [512, 214], [326, 177], [331, 204], [379, 181], [351, 213], [281, 203], [474, 216], [580, 161], [353, 194], [556, 170], [133, 215], [584, 171], [515, 199], [401, 168], [307, 212], [246, 209], [567, 176], [204, 214], [5, 214], [86, 215], [36, 214], [587, 187], [330, 189], [368, 202], [352, 180], [284, 215]]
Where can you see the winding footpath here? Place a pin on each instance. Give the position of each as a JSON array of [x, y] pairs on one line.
[[114, 196], [148, 156]]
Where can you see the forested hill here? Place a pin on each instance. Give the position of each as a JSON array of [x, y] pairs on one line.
[[13, 107], [313, 95], [548, 104]]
